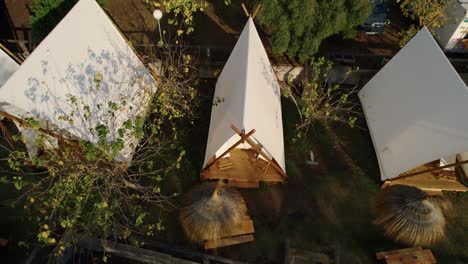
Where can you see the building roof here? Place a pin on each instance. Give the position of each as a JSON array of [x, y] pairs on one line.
[[416, 108], [7, 67], [251, 99], [83, 48]]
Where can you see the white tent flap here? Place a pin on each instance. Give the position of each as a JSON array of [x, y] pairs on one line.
[[85, 58], [250, 99], [7, 67], [416, 108]]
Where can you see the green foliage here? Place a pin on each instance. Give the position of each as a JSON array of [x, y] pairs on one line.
[[407, 35], [181, 12], [46, 14], [81, 187], [320, 100], [299, 26], [424, 13]]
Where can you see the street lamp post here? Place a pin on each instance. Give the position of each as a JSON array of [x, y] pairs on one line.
[[158, 15]]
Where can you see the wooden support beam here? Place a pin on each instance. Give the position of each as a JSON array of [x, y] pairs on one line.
[[259, 151], [11, 54], [431, 169], [46, 131], [245, 10], [228, 241], [244, 137], [256, 10]]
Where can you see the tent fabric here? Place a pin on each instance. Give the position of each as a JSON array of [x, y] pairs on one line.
[[7, 67], [87, 60], [416, 108], [247, 96]]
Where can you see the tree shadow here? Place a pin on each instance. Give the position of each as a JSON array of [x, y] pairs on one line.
[[106, 87]]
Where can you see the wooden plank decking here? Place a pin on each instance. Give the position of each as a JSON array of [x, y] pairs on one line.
[[241, 234], [229, 241], [407, 256], [429, 182], [242, 170]]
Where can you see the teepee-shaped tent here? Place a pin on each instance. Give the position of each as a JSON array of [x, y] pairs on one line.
[[83, 68], [416, 108], [245, 140], [7, 67]]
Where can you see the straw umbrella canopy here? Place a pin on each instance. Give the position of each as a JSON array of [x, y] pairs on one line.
[[410, 216], [213, 211]]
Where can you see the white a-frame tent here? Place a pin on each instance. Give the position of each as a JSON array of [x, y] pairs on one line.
[[415, 109], [84, 68], [7, 67], [245, 140]]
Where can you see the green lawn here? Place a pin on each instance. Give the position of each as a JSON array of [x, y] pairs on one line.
[[321, 209], [326, 208]]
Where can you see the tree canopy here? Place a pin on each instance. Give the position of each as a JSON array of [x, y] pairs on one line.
[[299, 26], [431, 14]]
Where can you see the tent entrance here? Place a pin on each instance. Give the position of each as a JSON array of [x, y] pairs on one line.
[[244, 168], [430, 177]]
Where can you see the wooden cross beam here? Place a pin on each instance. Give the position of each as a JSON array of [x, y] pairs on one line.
[[247, 13], [243, 136], [11, 54], [259, 151], [245, 10]]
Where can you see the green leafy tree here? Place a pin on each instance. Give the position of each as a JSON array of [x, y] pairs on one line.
[[318, 99], [429, 13], [80, 188], [299, 26], [46, 14], [181, 12]]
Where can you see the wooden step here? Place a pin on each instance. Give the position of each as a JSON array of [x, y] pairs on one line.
[[245, 227], [407, 256], [382, 255], [224, 242], [417, 257]]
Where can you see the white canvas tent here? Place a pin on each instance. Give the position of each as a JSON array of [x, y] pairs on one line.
[[416, 108], [250, 99], [87, 60], [7, 67]]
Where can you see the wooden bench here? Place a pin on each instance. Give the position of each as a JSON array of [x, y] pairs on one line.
[[415, 255], [242, 234]]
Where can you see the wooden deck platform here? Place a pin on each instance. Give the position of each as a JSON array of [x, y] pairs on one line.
[[407, 256], [241, 234], [243, 170], [431, 181]]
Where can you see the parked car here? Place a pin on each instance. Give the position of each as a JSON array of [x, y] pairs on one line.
[[376, 22]]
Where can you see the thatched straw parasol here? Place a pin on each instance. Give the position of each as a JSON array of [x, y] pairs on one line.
[[213, 211], [410, 216]]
